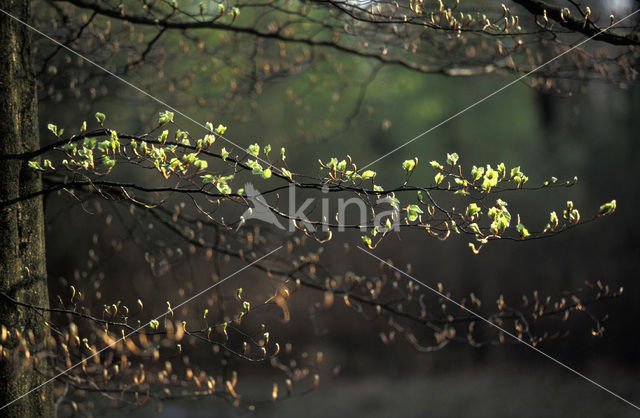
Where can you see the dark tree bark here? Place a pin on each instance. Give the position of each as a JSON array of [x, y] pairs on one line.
[[22, 240]]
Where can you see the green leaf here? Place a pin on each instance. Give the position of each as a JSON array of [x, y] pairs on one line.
[[104, 146], [287, 173], [436, 165], [490, 179], [452, 158], [108, 162], [413, 211], [267, 149], [189, 158], [175, 163], [200, 164], [522, 230], [100, 117], [53, 128], [223, 187], [553, 219], [254, 150], [71, 147], [472, 210], [266, 173], [255, 166], [208, 141], [209, 127], [332, 164], [165, 117], [368, 174], [90, 143], [224, 153], [366, 240], [461, 182], [393, 201], [438, 178], [409, 165], [476, 173], [515, 172], [221, 129], [208, 178]]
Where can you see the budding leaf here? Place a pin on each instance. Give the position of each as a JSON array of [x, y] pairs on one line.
[[409, 165], [472, 210], [607, 208], [368, 174], [165, 117], [522, 230], [413, 212], [254, 150]]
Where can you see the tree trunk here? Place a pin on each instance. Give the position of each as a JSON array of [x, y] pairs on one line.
[[22, 246]]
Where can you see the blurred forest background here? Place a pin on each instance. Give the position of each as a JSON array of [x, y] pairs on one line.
[[589, 131]]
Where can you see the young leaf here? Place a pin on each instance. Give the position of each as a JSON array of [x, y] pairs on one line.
[[522, 230], [254, 150], [165, 117], [413, 212], [472, 210], [221, 129], [266, 173], [368, 174], [409, 165], [287, 173]]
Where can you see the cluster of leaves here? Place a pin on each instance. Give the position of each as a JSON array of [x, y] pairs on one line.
[[187, 159]]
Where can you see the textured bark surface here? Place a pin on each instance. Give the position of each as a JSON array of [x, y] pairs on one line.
[[22, 246]]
